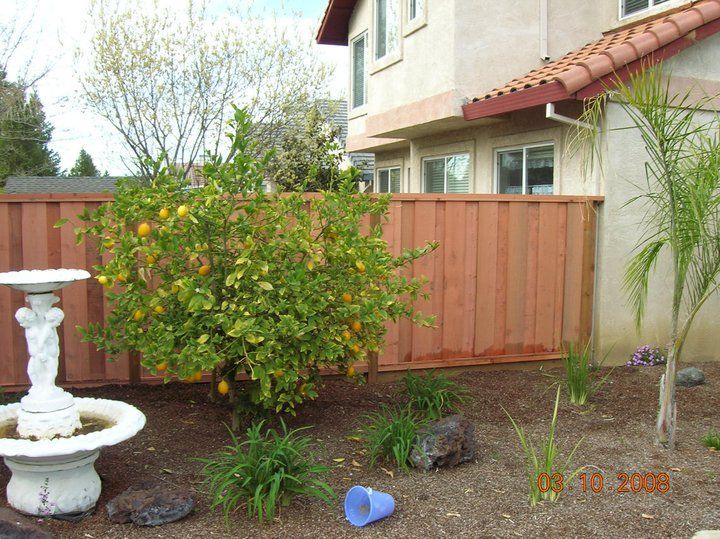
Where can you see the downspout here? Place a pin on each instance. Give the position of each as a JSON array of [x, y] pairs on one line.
[[544, 51], [550, 114]]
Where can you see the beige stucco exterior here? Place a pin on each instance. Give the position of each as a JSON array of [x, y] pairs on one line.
[[466, 47]]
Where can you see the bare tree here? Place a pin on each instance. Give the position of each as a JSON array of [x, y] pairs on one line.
[[167, 79]]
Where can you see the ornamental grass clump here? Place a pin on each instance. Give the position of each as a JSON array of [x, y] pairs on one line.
[[391, 434], [712, 440], [264, 473], [580, 382], [433, 394], [645, 356], [547, 476]]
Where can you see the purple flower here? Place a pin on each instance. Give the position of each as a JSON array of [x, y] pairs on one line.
[[645, 356]]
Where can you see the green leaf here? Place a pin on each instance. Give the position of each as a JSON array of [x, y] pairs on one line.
[[202, 339], [265, 285], [61, 222]]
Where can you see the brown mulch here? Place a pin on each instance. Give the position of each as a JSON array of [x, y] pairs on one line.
[[487, 498]]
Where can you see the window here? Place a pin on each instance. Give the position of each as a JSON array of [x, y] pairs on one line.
[[388, 180], [526, 170], [630, 7], [359, 71], [448, 174], [387, 24], [415, 9]]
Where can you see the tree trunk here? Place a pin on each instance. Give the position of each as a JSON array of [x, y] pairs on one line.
[[214, 396], [665, 429]]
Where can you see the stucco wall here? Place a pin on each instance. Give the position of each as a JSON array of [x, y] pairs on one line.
[[619, 232]]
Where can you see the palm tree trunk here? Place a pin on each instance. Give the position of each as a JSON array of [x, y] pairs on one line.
[[665, 428]]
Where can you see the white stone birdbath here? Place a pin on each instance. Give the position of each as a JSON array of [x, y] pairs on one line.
[[52, 464]]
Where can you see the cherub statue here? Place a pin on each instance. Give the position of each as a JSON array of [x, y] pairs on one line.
[[40, 325]]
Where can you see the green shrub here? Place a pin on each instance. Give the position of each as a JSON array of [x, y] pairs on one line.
[[712, 439], [546, 461], [264, 472], [391, 434], [434, 393], [579, 380]]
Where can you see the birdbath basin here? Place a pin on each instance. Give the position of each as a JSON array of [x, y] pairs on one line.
[[50, 440]]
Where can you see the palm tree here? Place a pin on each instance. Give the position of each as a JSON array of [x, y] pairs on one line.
[[681, 198]]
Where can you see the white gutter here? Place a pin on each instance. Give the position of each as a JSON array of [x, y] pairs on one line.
[[550, 114], [544, 51]]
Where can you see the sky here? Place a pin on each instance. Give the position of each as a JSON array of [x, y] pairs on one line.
[[60, 27]]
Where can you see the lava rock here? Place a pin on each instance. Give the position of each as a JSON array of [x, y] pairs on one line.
[[15, 526], [445, 443], [150, 504], [690, 377]]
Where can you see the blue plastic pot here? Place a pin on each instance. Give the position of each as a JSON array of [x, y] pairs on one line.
[[365, 505]]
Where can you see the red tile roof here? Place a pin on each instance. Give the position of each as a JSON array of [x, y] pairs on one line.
[[334, 26], [571, 76]]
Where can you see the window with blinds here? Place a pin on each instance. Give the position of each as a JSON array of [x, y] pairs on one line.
[[447, 174], [387, 27], [528, 170], [359, 71], [631, 7], [387, 180]]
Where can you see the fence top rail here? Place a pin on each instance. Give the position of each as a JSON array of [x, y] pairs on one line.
[[422, 197]]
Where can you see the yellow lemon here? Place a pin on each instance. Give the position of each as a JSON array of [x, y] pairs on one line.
[[278, 373], [197, 376], [347, 298], [143, 230], [159, 309], [223, 387], [351, 371], [174, 289], [121, 277], [355, 348], [182, 211], [356, 326], [164, 213], [310, 265], [108, 243], [103, 280], [360, 265], [346, 335], [204, 270], [150, 259], [138, 315], [161, 366]]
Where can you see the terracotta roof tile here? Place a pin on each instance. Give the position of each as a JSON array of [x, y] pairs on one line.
[[614, 51]]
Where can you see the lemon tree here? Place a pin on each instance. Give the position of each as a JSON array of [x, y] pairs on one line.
[[229, 279]]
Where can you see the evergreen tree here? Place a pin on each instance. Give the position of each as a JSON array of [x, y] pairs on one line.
[[24, 134], [84, 166]]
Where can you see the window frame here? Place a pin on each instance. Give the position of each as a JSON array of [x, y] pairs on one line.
[[445, 175], [376, 179], [524, 148], [412, 18], [366, 69], [389, 54], [652, 6]]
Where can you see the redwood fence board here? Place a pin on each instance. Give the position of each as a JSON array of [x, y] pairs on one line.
[[512, 281]]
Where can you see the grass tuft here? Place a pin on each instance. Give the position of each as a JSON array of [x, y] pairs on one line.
[[433, 394], [390, 434], [264, 472], [711, 440]]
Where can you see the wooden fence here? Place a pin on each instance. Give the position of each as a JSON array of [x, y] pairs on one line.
[[512, 280]]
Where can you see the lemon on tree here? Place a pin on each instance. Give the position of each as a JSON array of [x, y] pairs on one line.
[[143, 230]]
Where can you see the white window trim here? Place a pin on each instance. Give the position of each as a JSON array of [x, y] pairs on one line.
[[445, 156], [655, 8], [360, 108], [524, 147], [390, 58], [376, 179], [411, 26]]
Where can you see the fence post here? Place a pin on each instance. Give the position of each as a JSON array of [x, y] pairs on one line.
[[134, 367], [372, 373]]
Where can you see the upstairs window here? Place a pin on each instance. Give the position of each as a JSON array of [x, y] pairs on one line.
[[359, 71], [387, 27], [388, 180], [447, 174], [631, 7], [526, 170], [415, 9]]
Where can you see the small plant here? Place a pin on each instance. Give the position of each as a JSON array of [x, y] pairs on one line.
[[264, 472], [645, 356], [712, 440], [545, 474], [391, 434], [579, 380], [433, 394]]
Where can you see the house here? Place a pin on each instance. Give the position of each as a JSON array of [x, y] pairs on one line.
[[468, 96], [55, 184]]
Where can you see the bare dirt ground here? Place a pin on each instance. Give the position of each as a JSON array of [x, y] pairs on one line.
[[487, 498]]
